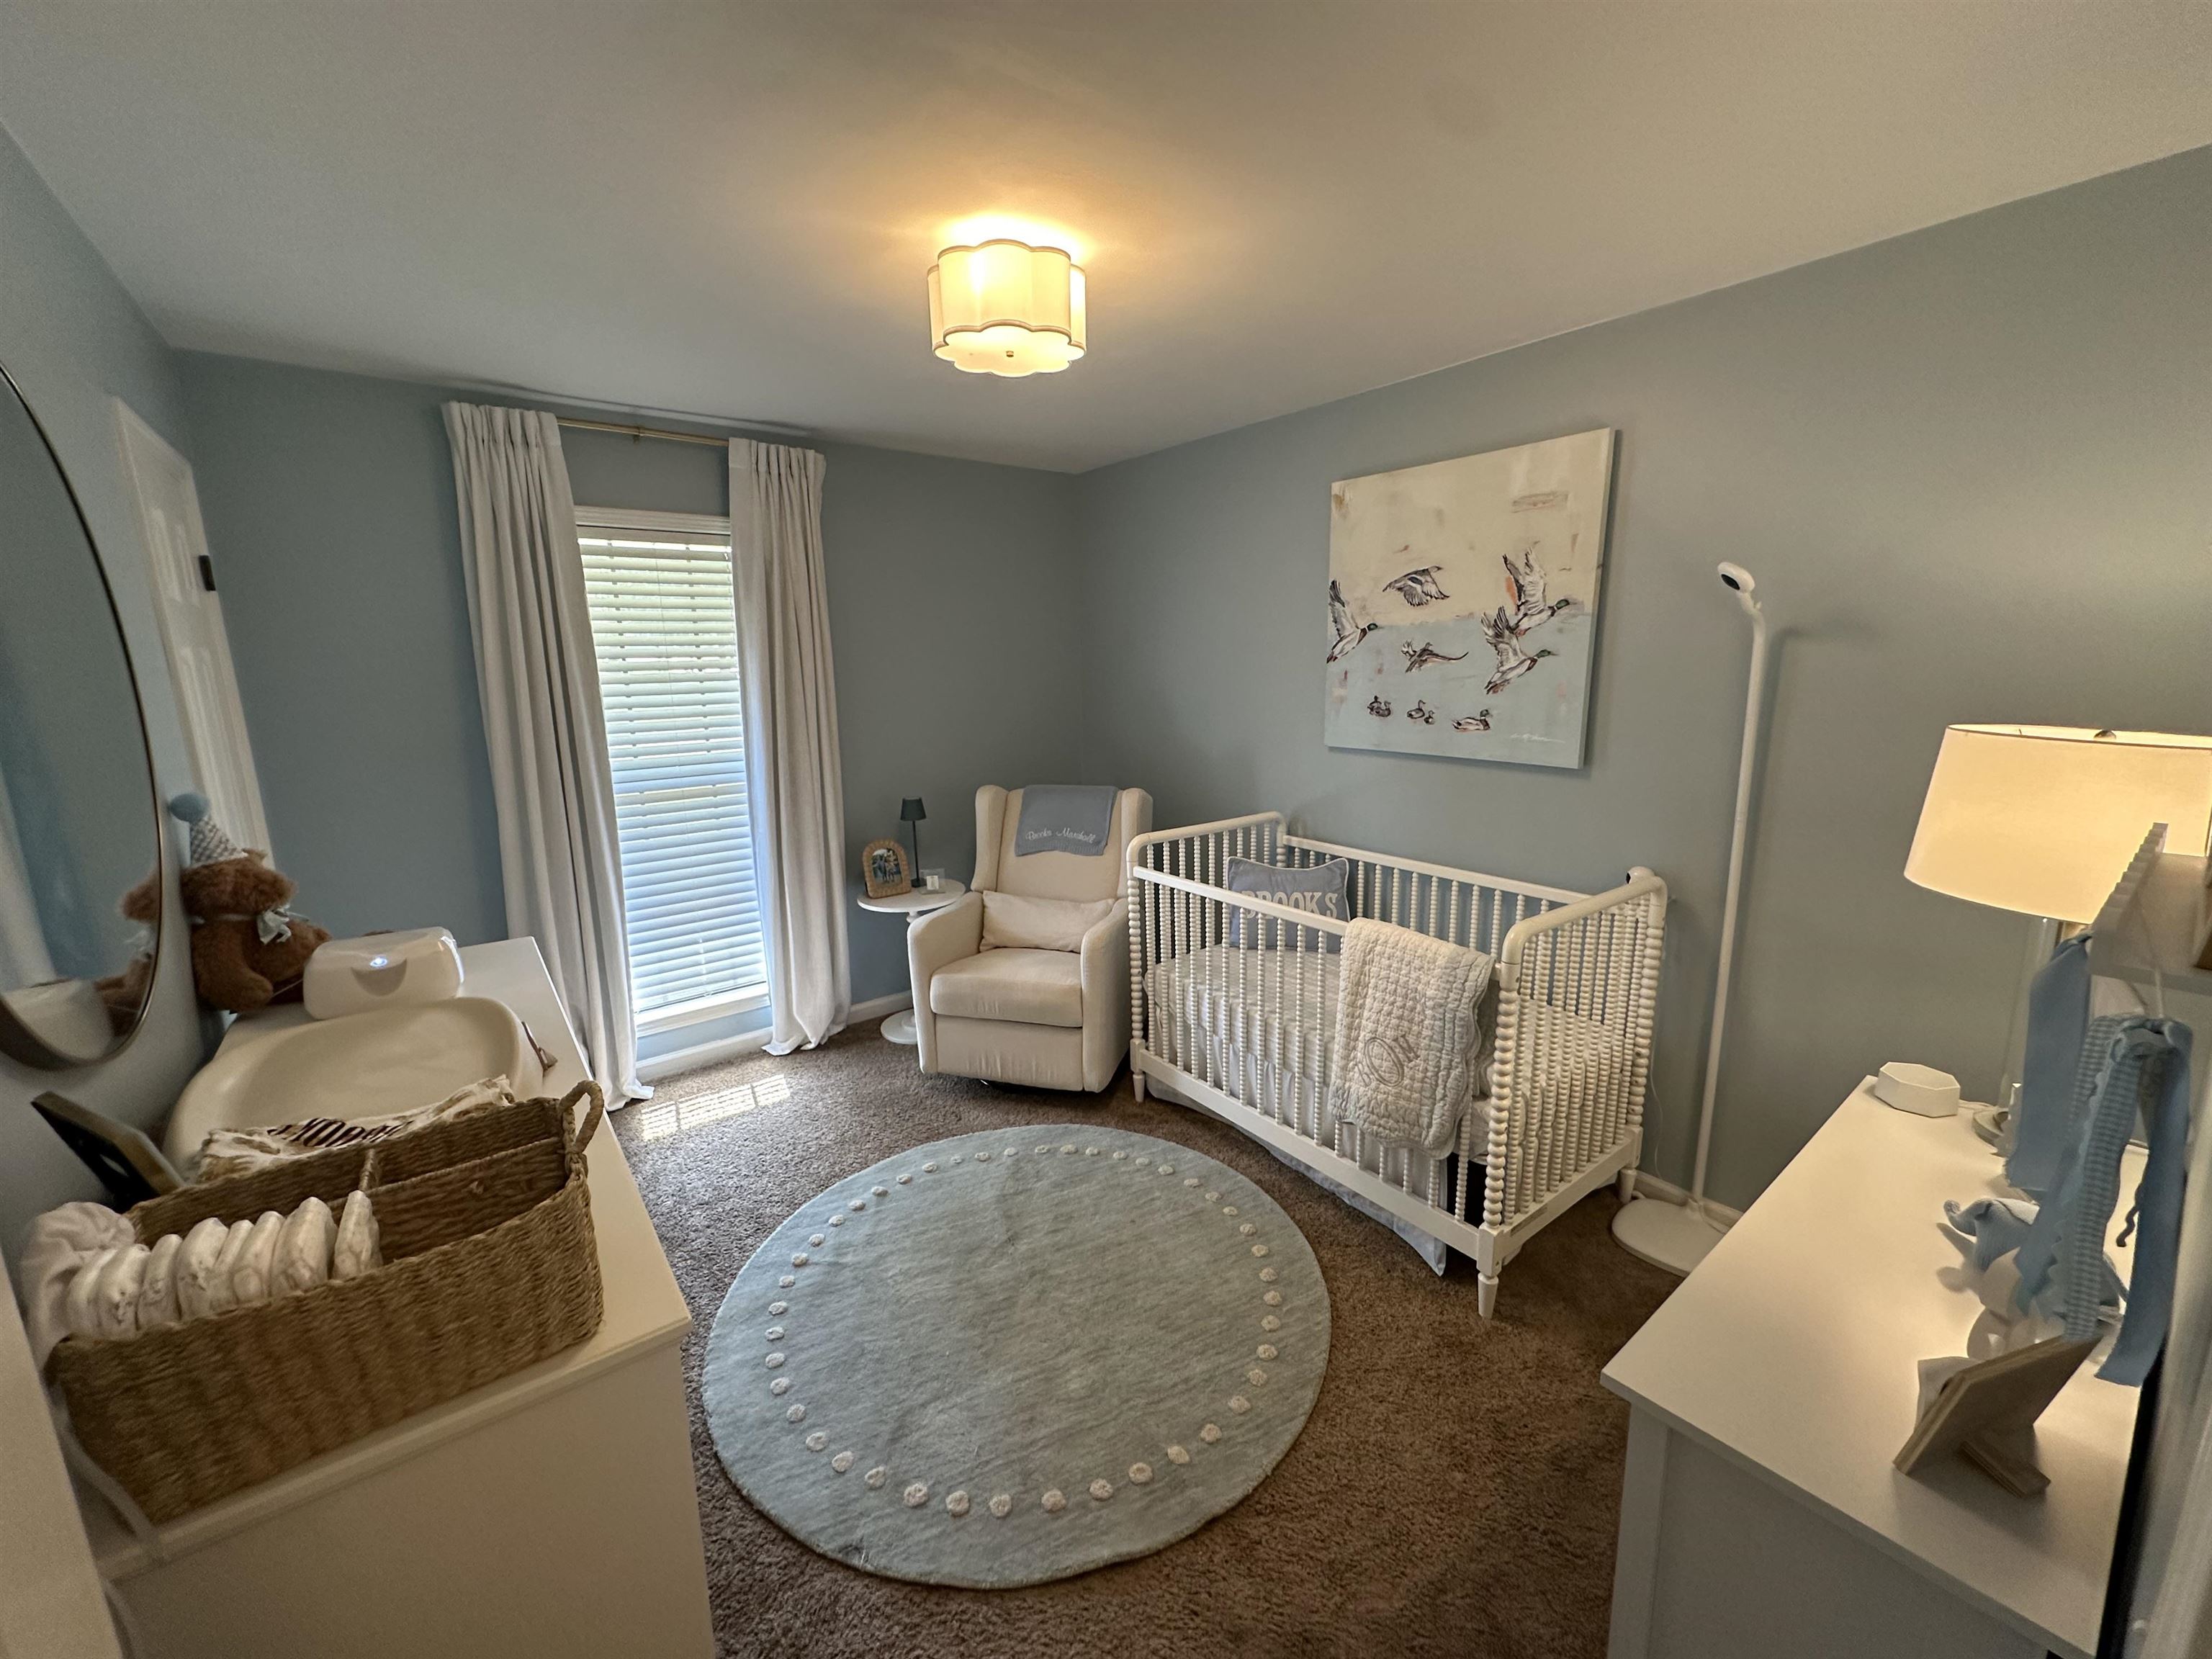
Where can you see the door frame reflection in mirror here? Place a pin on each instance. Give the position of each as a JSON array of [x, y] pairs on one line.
[[18, 1039]]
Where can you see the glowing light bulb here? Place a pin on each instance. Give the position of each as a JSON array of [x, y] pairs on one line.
[[1007, 308]]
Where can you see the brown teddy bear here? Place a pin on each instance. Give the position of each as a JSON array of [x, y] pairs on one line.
[[248, 950]]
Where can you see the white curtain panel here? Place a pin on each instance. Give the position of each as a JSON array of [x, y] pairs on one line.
[[791, 736], [540, 684]]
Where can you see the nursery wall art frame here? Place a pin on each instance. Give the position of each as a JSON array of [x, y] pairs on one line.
[[1462, 602]]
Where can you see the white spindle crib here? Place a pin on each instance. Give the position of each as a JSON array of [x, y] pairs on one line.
[[1244, 1033]]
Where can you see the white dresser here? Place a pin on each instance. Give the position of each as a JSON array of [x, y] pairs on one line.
[[550, 1515], [1760, 1515]]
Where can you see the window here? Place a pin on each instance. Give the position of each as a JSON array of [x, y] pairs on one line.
[[663, 627]]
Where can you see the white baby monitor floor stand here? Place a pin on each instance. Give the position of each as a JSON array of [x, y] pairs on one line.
[[1678, 1237]]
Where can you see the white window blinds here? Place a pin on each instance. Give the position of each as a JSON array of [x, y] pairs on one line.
[[665, 631]]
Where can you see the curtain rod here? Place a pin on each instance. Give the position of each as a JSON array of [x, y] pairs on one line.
[[661, 433]]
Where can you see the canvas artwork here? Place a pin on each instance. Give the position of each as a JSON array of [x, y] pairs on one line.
[[1462, 602]]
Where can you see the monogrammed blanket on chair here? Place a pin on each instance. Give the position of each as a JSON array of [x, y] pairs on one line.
[[1407, 1030]]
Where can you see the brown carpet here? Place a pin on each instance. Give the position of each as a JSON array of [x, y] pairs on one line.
[[1454, 1492]]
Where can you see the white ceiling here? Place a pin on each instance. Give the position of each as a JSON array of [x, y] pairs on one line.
[[727, 208]]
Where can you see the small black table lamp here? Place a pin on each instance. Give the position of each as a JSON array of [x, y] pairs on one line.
[[910, 813]]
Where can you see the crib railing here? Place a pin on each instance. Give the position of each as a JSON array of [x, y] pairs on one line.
[[1575, 973], [1459, 905], [1577, 984]]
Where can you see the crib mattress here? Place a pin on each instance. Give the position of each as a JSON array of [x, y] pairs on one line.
[[1262, 1003]]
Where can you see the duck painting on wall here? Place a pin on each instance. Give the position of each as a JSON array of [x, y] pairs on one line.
[[1468, 590]]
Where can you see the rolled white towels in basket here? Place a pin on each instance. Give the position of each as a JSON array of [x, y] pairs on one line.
[[84, 1274], [358, 1246], [1408, 1032], [230, 1267], [60, 1244], [303, 1248], [118, 1278], [157, 1299], [256, 1263], [203, 1288]]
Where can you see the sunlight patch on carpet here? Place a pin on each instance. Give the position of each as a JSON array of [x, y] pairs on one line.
[[661, 1118]]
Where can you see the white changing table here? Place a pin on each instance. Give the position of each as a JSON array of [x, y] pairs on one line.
[[551, 1513], [1760, 1515]]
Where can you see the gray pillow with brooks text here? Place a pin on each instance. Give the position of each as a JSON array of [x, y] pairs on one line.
[[1318, 889]]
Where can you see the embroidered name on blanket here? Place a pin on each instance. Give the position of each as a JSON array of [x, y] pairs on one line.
[[1407, 1031], [1065, 818]]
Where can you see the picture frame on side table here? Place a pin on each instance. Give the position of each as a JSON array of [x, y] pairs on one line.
[[884, 869]]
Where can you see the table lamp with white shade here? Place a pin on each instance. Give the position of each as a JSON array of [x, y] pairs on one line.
[[2044, 819]]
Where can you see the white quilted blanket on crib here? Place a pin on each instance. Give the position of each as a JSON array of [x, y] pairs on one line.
[[1406, 1032]]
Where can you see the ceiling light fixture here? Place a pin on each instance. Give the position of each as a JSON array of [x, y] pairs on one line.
[[1004, 307]]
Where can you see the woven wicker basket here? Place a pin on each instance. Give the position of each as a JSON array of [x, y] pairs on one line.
[[490, 1265]]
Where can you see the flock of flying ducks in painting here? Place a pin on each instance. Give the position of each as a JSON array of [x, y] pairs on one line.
[[1502, 629]]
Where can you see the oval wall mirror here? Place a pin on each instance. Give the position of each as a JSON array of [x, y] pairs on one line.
[[80, 821]]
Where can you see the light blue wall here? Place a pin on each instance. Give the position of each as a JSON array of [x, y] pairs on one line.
[[956, 613], [605, 470], [1972, 469], [330, 518], [73, 339], [329, 502]]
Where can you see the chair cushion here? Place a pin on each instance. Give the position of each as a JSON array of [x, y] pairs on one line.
[[1039, 924], [1030, 988]]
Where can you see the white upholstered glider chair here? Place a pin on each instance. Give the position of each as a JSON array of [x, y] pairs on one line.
[[1025, 979]]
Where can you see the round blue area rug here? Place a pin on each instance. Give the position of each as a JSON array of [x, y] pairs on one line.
[[1013, 1356]]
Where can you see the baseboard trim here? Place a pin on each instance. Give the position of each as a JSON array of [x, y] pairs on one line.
[[1651, 1186], [677, 1061]]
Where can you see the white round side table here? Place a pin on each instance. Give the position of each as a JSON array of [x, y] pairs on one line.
[[914, 905]]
